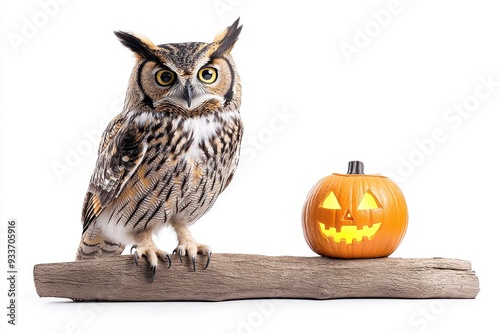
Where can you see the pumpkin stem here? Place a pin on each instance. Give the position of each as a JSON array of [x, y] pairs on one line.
[[355, 168]]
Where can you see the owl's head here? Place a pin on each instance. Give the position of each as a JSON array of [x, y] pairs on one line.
[[189, 79]]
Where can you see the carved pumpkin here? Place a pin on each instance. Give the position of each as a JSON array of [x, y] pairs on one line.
[[354, 215]]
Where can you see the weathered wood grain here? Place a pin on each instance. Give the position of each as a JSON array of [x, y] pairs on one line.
[[245, 276]]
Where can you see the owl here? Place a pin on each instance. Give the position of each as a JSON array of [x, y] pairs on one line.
[[174, 148]]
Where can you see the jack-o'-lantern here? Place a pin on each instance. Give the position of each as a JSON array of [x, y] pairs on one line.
[[354, 215]]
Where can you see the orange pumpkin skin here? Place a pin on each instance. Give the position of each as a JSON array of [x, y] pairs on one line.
[[340, 226]]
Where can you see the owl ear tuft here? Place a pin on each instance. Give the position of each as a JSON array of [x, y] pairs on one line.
[[224, 41], [142, 46]]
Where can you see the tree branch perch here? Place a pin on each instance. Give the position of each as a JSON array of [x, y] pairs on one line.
[[245, 276]]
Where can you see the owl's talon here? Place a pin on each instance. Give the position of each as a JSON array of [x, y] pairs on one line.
[[136, 259], [153, 273], [152, 253], [192, 249], [132, 248], [169, 259], [209, 255], [179, 252]]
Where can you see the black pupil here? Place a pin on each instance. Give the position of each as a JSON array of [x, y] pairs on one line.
[[207, 74], [166, 76]]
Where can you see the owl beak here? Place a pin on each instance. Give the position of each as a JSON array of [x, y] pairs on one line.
[[188, 93]]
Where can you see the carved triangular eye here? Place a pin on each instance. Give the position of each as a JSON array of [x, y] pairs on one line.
[[368, 202], [330, 202]]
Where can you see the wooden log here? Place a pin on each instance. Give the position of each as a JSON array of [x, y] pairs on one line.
[[245, 276]]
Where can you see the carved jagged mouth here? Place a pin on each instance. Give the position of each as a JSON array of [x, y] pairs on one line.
[[348, 233]]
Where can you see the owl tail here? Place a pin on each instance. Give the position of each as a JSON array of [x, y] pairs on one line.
[[94, 245]]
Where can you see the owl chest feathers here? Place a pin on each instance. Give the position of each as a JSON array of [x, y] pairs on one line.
[[197, 141], [183, 165]]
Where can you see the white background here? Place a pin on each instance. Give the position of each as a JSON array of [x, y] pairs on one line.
[[381, 104]]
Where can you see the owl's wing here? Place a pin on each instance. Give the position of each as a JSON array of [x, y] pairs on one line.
[[109, 133], [236, 156], [117, 161]]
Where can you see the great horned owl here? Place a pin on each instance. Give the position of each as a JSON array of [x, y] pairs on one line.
[[164, 160]]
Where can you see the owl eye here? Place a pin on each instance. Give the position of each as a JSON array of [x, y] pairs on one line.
[[207, 75], [165, 77]]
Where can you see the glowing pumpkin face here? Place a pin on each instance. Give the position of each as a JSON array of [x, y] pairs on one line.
[[354, 215], [345, 228]]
